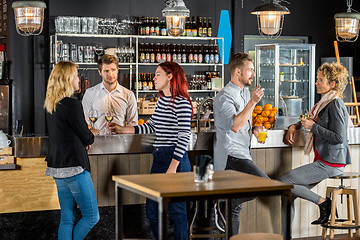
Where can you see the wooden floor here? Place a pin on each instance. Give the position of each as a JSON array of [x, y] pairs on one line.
[[338, 237]]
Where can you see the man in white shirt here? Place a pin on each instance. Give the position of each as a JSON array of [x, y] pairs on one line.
[[109, 98]]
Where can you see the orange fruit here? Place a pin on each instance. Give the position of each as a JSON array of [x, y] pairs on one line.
[[272, 120], [268, 106], [254, 114], [147, 121], [274, 109], [267, 125], [265, 119], [272, 114], [258, 109], [259, 119], [257, 124], [141, 121], [265, 113]]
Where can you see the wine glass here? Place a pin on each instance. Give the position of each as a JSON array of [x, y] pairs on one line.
[[304, 113], [99, 50], [93, 116], [109, 116]]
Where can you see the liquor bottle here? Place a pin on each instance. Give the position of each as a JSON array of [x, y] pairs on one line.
[[212, 54], [183, 55], [150, 82], [158, 53], [195, 55], [184, 34], [190, 53], [188, 29], [178, 51], [208, 82], [200, 27], [163, 28], [209, 28], [152, 26], [147, 53], [174, 53], [200, 54], [147, 26], [145, 82], [152, 53], [163, 53], [140, 81], [207, 55], [216, 54], [157, 26], [142, 52], [168, 53], [204, 27], [193, 27]]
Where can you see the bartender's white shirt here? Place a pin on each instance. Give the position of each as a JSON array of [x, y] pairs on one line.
[[121, 100]]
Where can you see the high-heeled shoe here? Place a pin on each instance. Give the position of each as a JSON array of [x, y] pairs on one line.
[[325, 210]]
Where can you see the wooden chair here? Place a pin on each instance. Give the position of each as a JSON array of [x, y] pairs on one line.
[[257, 236], [355, 105]]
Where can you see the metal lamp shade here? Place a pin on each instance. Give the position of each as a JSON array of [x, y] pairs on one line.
[[270, 18], [347, 26], [29, 17]]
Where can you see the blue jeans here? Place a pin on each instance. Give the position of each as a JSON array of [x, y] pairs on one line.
[[177, 210], [73, 191]]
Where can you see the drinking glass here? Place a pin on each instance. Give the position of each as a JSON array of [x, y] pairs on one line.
[[109, 116], [99, 50], [304, 113], [93, 116]]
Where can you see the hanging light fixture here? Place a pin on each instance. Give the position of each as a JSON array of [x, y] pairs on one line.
[[347, 24], [29, 17], [175, 13], [270, 16]]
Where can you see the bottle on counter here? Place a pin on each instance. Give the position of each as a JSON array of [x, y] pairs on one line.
[[147, 26], [179, 52], [157, 26], [163, 29], [152, 53], [163, 53], [206, 53], [195, 54], [216, 55], [183, 53], [168, 52], [174, 53], [147, 53], [200, 54], [209, 28], [190, 53], [157, 53], [142, 52]]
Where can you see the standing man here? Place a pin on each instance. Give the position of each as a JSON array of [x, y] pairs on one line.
[[233, 107], [110, 97]]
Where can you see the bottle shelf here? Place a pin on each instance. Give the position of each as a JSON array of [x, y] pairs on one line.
[[133, 36]]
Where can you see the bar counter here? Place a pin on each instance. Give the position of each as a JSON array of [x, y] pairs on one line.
[[28, 189]]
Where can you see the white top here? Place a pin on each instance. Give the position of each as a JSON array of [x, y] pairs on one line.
[[121, 100]]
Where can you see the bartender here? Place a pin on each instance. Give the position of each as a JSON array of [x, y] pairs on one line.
[[109, 99]]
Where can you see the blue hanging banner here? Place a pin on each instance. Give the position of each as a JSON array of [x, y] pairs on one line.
[[224, 31]]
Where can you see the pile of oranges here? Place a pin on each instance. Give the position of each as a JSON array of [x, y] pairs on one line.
[[142, 121], [264, 116]]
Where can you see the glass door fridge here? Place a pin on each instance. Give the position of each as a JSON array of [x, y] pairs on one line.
[[287, 72]]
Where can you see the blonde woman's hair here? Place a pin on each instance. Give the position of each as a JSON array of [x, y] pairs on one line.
[[59, 84], [335, 72]]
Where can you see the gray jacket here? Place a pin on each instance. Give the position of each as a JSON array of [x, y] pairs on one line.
[[331, 133]]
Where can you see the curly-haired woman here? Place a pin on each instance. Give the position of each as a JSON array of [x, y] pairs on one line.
[[328, 124]]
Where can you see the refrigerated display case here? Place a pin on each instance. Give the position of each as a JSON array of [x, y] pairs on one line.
[[287, 73]]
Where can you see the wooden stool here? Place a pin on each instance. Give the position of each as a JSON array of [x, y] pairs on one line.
[[257, 236], [349, 223]]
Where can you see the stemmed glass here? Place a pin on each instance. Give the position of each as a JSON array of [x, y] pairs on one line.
[[109, 116], [93, 116], [304, 113], [99, 50]]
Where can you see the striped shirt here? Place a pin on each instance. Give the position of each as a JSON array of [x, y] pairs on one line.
[[171, 124]]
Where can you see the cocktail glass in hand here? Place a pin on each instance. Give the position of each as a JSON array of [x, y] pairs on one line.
[[93, 116], [262, 135], [305, 114]]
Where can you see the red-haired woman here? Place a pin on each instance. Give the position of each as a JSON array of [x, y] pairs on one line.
[[171, 124]]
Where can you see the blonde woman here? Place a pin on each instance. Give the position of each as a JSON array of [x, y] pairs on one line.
[[67, 159], [328, 125]]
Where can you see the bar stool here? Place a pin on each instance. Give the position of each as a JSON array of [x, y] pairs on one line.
[[348, 223], [257, 236], [218, 232]]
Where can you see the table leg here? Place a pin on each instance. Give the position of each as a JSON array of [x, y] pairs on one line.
[[287, 234], [228, 215], [119, 234], [162, 208]]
